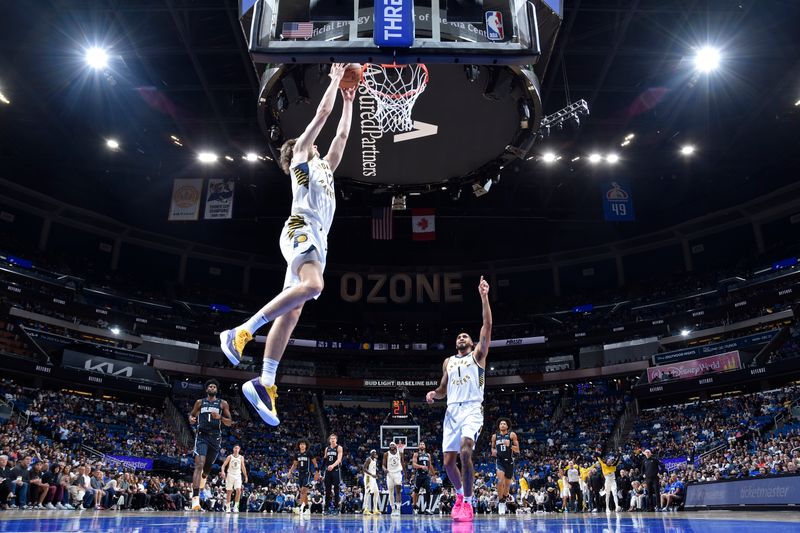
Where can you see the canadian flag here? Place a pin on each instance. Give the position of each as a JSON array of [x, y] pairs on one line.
[[423, 224]]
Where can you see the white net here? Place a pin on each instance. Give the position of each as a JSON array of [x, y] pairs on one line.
[[395, 89]]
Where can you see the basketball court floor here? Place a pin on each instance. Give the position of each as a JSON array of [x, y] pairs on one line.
[[702, 522]]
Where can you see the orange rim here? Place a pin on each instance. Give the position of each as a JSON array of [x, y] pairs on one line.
[[396, 67]]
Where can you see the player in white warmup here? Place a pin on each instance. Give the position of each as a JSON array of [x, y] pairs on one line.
[[371, 492], [304, 244], [463, 379], [393, 465], [233, 469]]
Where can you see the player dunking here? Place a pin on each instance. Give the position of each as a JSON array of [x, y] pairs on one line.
[[209, 414], [304, 244], [393, 465], [463, 377], [371, 484], [302, 463], [504, 445], [232, 470], [423, 468], [333, 474]]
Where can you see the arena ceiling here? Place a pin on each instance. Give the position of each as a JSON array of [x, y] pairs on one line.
[[180, 68]]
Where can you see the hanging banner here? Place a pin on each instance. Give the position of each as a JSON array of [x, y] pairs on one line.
[[185, 203], [618, 202], [219, 199]]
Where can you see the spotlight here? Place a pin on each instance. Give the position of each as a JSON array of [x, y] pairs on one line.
[[479, 188], [4, 99], [399, 202], [282, 102], [472, 72], [688, 150], [630, 136], [115, 330], [112, 144], [207, 157], [612, 158], [228, 158], [97, 58], [549, 157], [685, 332], [250, 157], [274, 133], [576, 158], [595, 158], [707, 59], [796, 104]]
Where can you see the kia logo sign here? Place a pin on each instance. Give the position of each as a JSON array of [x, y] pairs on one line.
[[108, 368]]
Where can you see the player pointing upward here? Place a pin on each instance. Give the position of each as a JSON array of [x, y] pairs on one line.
[[463, 377]]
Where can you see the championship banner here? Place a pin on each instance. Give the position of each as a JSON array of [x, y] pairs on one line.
[[136, 463], [219, 199], [618, 202], [695, 367], [185, 204]]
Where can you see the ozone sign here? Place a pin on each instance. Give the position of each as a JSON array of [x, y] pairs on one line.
[[394, 23], [401, 288]]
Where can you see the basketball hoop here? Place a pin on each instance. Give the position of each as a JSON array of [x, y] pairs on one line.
[[401, 448], [395, 89]]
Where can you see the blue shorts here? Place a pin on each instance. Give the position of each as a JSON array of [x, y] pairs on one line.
[[207, 445]]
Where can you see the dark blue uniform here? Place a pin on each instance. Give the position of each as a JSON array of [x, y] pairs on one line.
[[208, 438], [505, 461], [303, 469], [332, 478], [423, 477]]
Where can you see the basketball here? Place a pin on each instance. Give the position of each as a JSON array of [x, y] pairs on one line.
[[352, 76]]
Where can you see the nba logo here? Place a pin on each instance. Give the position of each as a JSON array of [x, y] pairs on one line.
[[494, 26]]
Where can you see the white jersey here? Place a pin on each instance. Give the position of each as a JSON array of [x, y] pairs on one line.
[[393, 462], [235, 466], [372, 469], [465, 379], [313, 193]]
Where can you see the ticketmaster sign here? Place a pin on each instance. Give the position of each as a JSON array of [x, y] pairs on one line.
[[781, 490]]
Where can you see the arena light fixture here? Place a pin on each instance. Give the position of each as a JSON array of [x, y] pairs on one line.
[[207, 157], [250, 157], [796, 104], [4, 99], [707, 59], [576, 158], [685, 332], [688, 150], [549, 157], [97, 58], [115, 330], [595, 158], [630, 136], [112, 144], [228, 158], [612, 158], [625, 143]]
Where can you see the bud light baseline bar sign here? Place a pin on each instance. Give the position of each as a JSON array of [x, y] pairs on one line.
[[394, 23]]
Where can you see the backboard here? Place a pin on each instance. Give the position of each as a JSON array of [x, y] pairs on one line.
[[498, 32]]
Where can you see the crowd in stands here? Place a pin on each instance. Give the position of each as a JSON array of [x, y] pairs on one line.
[[46, 466]]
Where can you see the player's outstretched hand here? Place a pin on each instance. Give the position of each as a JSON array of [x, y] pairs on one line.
[[349, 94], [431, 396], [483, 287], [337, 71]]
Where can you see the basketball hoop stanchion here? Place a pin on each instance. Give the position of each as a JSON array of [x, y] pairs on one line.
[[395, 89]]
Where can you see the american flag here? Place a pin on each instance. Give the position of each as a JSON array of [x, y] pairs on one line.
[[382, 223], [297, 30]]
